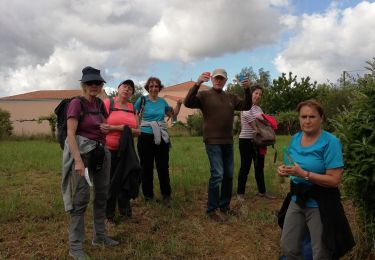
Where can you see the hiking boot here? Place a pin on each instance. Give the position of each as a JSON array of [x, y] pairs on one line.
[[78, 255], [266, 195], [217, 216], [104, 241]]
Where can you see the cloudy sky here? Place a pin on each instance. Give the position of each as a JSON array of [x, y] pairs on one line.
[[45, 44]]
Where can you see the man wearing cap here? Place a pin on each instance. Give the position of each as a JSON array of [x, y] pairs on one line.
[[218, 109]]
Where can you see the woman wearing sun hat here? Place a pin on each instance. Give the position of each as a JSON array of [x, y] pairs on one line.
[[84, 149]]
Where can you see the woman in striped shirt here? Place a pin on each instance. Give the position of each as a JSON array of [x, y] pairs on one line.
[[248, 150]]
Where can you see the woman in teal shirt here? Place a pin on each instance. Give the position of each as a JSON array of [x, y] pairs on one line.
[[315, 171], [153, 143]]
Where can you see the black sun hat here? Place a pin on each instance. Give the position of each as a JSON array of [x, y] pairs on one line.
[[91, 74]]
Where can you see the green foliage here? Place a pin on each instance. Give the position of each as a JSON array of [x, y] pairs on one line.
[[287, 122], [355, 128], [5, 124], [195, 123], [262, 78], [286, 93], [334, 100], [52, 121]]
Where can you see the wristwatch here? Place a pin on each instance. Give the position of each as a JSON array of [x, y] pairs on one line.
[[307, 177]]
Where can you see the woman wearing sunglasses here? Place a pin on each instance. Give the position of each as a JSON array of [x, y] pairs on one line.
[[86, 161]]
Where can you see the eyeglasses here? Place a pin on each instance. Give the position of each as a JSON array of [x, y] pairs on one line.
[[94, 82]]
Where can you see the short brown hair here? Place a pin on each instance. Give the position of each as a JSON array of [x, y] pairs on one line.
[[255, 87], [311, 103], [155, 79]]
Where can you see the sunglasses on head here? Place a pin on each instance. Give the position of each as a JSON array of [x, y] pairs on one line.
[[94, 82]]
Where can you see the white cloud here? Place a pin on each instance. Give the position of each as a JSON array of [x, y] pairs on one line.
[[327, 44], [45, 44]]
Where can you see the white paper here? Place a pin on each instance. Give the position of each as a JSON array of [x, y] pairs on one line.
[[87, 177]]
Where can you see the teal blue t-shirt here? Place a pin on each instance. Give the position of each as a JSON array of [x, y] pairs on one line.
[[325, 153], [153, 111]]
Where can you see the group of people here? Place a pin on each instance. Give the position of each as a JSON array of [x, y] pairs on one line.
[[96, 142]]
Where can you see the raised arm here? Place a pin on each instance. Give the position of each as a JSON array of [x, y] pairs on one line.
[[191, 99]]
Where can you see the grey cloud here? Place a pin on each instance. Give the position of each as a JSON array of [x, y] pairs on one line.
[[44, 44]]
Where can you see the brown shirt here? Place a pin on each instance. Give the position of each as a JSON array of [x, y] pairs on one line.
[[218, 112]]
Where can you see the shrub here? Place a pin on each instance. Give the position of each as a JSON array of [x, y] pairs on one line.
[[195, 123], [356, 131], [5, 124], [287, 123]]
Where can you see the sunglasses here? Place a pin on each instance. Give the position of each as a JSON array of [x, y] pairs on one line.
[[94, 82]]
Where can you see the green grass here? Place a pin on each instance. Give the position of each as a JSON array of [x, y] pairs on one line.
[[34, 224]]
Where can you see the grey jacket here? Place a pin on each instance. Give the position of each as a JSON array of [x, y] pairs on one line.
[[84, 146]]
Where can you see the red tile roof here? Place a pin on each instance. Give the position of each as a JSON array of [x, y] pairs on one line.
[[185, 86], [45, 94]]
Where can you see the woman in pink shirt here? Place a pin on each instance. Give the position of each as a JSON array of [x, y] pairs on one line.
[[120, 114]]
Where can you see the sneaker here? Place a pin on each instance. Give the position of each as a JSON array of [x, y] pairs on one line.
[[104, 241], [266, 195], [78, 255], [217, 216]]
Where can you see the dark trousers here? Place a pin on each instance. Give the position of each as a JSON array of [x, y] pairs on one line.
[[120, 198], [149, 152], [250, 152]]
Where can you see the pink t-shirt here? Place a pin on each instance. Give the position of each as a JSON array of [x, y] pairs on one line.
[[118, 118], [88, 124]]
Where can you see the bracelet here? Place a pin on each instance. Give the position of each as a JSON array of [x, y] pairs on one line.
[[307, 177]]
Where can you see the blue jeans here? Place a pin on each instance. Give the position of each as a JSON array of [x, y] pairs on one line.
[[221, 169]]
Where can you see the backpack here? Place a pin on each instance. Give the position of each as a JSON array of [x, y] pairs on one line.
[[113, 108], [61, 119], [265, 135]]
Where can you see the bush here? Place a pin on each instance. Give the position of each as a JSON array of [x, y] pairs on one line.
[[195, 123], [287, 123], [356, 131], [5, 124]]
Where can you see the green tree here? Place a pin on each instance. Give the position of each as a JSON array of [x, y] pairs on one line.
[[286, 92], [262, 78], [5, 124]]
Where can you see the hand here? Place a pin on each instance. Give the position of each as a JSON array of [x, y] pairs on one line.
[[179, 102], [136, 131], [204, 77], [105, 128], [245, 83], [79, 167], [294, 170], [281, 171]]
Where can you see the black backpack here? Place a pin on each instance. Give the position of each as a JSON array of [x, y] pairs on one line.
[[61, 119], [113, 108]]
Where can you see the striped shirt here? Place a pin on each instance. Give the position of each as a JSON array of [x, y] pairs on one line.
[[247, 131]]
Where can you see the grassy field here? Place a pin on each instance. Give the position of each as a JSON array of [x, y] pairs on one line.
[[34, 225]]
